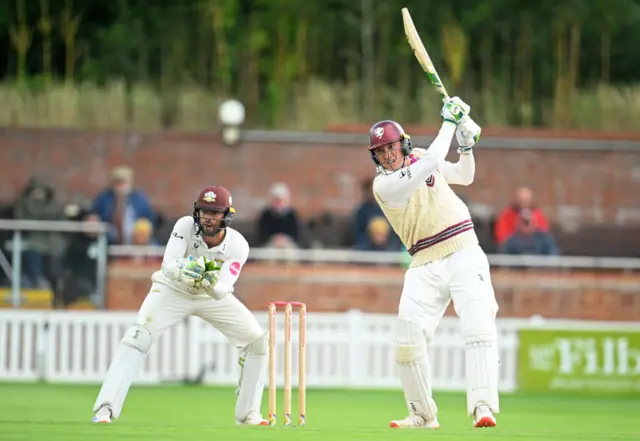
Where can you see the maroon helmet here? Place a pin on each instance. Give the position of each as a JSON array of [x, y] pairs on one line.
[[217, 199], [385, 132]]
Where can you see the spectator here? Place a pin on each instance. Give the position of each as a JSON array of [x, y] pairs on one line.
[[143, 236], [507, 220], [79, 264], [143, 232], [121, 205], [366, 210], [278, 224], [528, 239], [323, 230], [42, 249], [379, 237]]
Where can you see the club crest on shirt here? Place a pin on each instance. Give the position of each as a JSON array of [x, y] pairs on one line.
[[431, 181], [235, 268]]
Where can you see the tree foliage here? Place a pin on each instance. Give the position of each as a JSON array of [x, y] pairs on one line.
[[527, 57]]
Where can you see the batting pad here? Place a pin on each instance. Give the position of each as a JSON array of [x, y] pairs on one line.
[[128, 355], [482, 366], [413, 367], [252, 378]]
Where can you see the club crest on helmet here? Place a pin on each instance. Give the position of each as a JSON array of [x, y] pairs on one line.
[[213, 199], [379, 132], [210, 197]]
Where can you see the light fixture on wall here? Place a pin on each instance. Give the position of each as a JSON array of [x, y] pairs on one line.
[[231, 115]]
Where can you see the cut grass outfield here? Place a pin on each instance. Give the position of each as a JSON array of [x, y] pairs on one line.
[[198, 413]]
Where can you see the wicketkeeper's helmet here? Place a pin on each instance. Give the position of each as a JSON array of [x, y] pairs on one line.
[[215, 198]]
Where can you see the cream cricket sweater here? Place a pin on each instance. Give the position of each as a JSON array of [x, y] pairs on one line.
[[430, 219]]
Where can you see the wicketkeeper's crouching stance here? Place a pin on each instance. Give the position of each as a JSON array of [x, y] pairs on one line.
[[412, 188], [201, 264]]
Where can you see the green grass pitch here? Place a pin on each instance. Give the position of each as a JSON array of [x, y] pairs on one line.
[[197, 413]]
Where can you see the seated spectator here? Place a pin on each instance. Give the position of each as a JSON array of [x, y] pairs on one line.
[[143, 232], [143, 236], [79, 264], [42, 249], [507, 220], [121, 205], [528, 239], [278, 224], [323, 231], [366, 210], [379, 237]]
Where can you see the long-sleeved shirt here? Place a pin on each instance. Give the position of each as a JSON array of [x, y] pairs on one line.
[[395, 191], [427, 215], [230, 255]]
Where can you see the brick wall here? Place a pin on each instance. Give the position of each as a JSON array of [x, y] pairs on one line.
[[171, 168], [329, 288]]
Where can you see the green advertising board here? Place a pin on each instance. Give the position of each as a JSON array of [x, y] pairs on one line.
[[576, 361]]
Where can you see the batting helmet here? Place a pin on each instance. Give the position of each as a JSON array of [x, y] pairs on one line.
[[385, 132]]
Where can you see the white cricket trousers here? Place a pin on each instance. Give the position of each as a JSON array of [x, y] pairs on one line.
[[463, 277], [163, 307]]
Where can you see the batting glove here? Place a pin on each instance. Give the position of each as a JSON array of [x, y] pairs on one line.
[[468, 134], [454, 110]]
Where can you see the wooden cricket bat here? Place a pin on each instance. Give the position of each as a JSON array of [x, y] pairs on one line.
[[421, 54]]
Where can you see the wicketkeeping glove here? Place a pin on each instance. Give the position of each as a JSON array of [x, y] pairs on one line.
[[210, 276], [192, 272]]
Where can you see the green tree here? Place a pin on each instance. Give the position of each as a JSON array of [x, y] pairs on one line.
[[21, 39]]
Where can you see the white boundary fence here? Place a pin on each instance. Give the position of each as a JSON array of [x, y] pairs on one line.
[[343, 350]]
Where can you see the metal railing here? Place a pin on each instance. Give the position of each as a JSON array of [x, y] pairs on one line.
[[19, 227], [488, 142], [13, 268], [396, 258]]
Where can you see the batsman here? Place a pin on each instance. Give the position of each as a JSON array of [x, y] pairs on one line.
[[201, 264], [412, 187]]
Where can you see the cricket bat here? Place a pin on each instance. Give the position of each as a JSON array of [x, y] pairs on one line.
[[421, 54]]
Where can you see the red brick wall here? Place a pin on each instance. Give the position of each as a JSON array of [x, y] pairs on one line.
[[331, 288], [171, 168]]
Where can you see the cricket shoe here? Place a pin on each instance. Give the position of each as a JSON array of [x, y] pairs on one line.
[[253, 419], [414, 421], [483, 417], [103, 415]]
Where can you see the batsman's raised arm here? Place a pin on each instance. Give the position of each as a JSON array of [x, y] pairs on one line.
[[397, 188], [390, 148], [463, 171], [175, 253]]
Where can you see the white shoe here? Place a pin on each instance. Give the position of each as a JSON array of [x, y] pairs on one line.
[[483, 417], [253, 419], [414, 421], [103, 415]]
